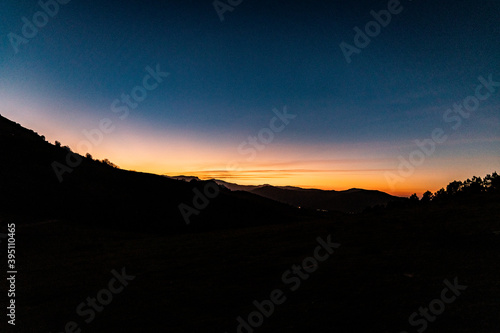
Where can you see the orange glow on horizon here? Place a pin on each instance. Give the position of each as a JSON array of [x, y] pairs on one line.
[[314, 179], [327, 166]]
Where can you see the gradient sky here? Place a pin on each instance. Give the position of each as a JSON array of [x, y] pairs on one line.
[[353, 121]]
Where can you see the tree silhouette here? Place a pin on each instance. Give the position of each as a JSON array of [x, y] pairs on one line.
[[440, 195], [111, 164], [427, 197], [495, 183], [453, 187], [474, 186]]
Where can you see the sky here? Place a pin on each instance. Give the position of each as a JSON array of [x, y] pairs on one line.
[[263, 91]]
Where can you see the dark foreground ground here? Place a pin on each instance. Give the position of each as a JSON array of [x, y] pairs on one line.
[[389, 265]]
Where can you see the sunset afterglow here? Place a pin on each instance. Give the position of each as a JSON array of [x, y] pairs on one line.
[[195, 113]]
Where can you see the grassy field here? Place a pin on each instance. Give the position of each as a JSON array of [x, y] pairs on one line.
[[389, 264]]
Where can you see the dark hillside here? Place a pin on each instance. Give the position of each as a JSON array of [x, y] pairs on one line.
[[350, 201], [95, 192]]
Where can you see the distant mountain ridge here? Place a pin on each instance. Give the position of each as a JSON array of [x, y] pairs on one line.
[[354, 200], [349, 201], [97, 193]]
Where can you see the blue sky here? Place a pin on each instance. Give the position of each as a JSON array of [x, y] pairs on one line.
[[226, 77]]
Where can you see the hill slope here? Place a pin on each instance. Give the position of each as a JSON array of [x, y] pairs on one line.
[[95, 192], [350, 201]]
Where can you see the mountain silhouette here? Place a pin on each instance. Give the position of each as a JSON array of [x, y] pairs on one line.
[[349, 201], [97, 193], [72, 234]]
